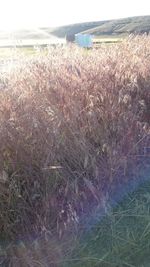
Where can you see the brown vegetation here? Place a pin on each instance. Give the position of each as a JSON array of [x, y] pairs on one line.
[[72, 124]]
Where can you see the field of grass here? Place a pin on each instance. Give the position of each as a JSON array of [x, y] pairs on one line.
[[12, 52], [121, 239], [74, 126], [107, 39], [9, 53]]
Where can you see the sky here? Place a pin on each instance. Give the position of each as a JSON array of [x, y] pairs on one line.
[[15, 14]]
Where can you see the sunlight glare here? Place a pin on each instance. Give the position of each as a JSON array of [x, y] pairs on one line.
[[16, 14]]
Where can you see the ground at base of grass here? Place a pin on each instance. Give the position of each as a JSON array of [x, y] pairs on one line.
[[121, 239]]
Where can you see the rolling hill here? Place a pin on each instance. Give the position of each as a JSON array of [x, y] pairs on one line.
[[73, 28], [139, 24]]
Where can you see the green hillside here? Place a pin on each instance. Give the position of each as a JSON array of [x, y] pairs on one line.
[[128, 25], [73, 28]]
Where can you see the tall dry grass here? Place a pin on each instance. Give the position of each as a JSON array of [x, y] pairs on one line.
[[73, 124]]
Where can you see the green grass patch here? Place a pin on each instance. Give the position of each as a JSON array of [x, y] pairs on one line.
[[8, 53], [121, 239]]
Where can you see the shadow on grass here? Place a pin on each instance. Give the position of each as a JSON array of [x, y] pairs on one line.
[[122, 238]]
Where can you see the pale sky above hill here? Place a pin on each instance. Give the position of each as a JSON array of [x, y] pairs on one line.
[[16, 14]]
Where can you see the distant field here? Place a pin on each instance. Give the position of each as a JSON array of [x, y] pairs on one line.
[[6, 53], [108, 39], [11, 52], [36, 46]]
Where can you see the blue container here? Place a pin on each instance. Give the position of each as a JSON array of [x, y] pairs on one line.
[[84, 40]]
